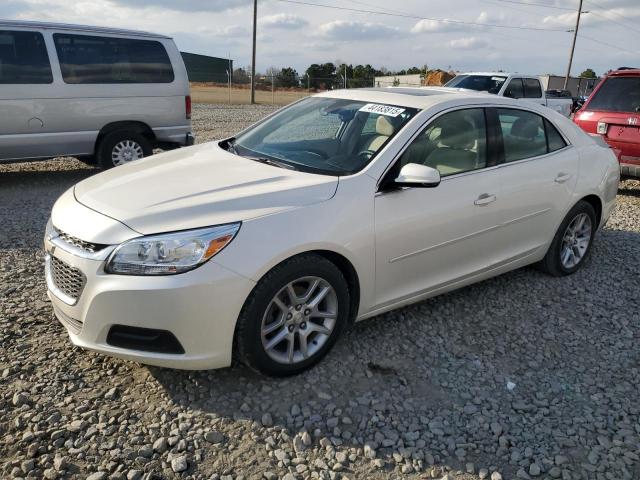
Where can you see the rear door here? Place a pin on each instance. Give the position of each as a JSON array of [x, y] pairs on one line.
[[614, 111], [537, 178], [533, 91], [26, 81]]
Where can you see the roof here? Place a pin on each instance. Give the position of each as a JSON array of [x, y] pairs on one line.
[[498, 74], [82, 28], [414, 97], [632, 72]]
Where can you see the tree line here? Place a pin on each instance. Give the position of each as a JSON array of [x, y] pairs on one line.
[[323, 76]]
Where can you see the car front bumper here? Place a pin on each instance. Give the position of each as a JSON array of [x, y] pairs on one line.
[[199, 308]]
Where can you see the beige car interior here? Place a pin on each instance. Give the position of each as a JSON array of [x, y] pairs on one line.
[[454, 143]]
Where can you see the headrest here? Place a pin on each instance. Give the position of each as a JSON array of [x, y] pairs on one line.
[[457, 133], [525, 128], [384, 126]]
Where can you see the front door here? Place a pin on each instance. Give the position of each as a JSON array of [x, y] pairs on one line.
[[427, 238]]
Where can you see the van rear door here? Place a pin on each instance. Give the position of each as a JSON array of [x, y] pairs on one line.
[[25, 83]]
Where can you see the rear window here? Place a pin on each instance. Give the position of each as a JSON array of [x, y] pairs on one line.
[[532, 88], [23, 58], [617, 94], [93, 59]]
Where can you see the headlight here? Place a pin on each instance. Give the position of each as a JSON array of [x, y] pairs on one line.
[[170, 253]]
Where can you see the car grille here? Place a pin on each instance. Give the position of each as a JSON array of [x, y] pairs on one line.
[[68, 279], [81, 244]]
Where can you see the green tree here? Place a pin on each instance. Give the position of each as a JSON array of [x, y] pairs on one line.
[[588, 73], [321, 76], [288, 77]]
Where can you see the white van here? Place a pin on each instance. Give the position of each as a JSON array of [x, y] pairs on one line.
[[99, 94]]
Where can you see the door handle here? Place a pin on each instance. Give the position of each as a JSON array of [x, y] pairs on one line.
[[562, 177], [484, 199]]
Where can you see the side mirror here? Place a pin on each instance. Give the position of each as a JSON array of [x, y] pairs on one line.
[[508, 93], [417, 175]]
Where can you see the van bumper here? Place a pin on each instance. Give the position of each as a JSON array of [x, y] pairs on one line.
[[181, 136]]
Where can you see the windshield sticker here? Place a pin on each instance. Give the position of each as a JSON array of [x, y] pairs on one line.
[[382, 109]]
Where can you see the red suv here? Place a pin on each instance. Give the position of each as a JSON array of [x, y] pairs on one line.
[[613, 111]]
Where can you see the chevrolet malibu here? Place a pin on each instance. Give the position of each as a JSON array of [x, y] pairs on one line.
[[340, 207]]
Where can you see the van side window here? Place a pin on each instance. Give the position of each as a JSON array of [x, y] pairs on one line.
[[94, 59], [532, 88], [23, 58]]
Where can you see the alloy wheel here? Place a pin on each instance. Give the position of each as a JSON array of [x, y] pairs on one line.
[[575, 241], [299, 320]]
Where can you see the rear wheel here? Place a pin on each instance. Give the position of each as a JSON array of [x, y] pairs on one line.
[[572, 242], [121, 147], [293, 317]]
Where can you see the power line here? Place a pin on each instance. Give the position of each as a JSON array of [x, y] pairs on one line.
[[614, 21], [536, 5], [600, 42], [417, 17]]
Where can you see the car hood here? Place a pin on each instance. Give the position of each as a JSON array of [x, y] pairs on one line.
[[196, 187]]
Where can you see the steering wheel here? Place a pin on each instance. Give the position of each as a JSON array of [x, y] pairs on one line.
[[320, 153], [366, 154]]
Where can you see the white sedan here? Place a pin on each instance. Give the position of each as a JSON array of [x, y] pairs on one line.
[[335, 209]]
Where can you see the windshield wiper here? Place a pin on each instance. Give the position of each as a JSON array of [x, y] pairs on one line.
[[272, 162]]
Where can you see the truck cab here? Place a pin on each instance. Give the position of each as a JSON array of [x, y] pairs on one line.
[[512, 85]]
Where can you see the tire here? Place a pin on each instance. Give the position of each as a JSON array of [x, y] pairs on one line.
[[261, 313], [553, 263], [132, 146]]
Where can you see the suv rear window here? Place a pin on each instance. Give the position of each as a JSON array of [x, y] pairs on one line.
[[23, 58], [93, 59], [617, 94]]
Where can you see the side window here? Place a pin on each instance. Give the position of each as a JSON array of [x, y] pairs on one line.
[[515, 89], [93, 59], [523, 133], [453, 143], [532, 88], [554, 139], [23, 58]]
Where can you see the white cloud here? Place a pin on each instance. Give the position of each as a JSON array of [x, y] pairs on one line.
[[468, 43], [185, 5], [430, 26], [285, 21], [356, 30]]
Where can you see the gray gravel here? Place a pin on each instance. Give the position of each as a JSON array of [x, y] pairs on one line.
[[522, 376]]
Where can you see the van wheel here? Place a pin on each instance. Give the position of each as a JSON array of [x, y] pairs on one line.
[[120, 147], [293, 316]]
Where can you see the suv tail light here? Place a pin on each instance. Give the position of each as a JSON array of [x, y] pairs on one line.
[[187, 106]]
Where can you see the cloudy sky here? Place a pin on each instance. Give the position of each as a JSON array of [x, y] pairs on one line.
[[460, 34]]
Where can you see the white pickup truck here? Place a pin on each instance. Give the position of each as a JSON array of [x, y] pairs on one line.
[[511, 85]]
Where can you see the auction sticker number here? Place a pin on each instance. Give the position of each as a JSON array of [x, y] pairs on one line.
[[382, 109]]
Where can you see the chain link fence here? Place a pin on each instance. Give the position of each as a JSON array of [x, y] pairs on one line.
[[271, 89]]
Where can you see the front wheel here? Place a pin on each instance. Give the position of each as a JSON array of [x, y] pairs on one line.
[[293, 316], [572, 242]]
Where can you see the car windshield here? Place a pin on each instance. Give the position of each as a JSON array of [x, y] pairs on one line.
[[481, 83], [329, 136], [617, 94]]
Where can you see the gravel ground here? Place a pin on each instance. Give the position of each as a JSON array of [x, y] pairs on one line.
[[522, 376]]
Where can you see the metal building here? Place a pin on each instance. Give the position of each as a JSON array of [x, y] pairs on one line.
[[202, 68]]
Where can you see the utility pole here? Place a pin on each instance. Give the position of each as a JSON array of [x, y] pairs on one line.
[[253, 57], [345, 75], [573, 46]]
